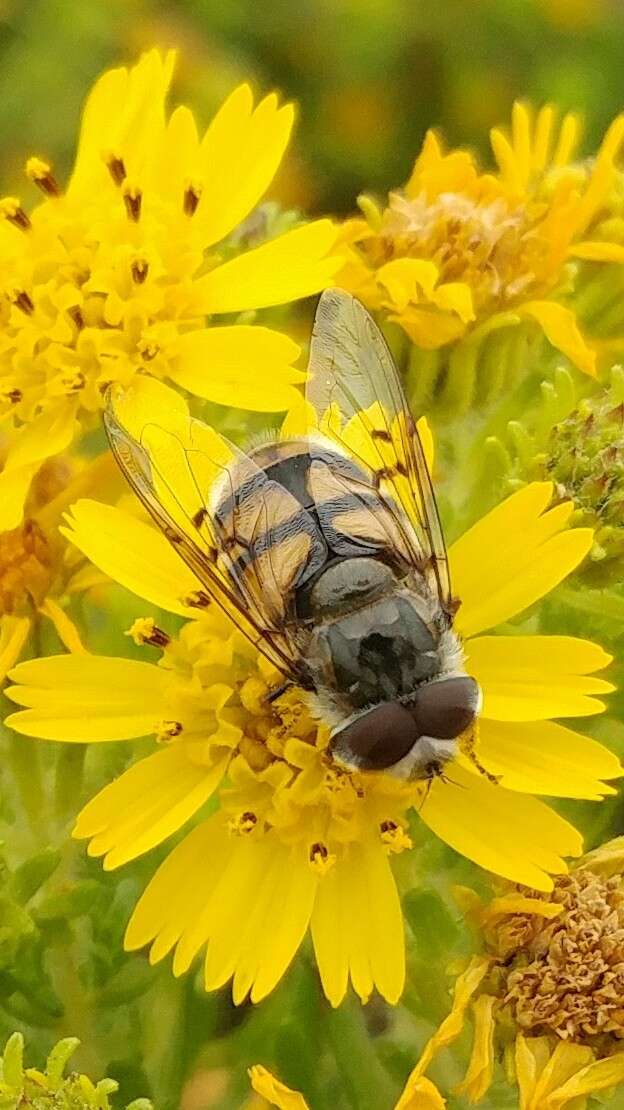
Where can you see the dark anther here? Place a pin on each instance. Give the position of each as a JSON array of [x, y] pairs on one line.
[[199, 599], [132, 201], [249, 818], [44, 179], [192, 195], [14, 396], [388, 826], [75, 312], [15, 214], [199, 517], [139, 270], [318, 851], [23, 301], [117, 169], [158, 638]]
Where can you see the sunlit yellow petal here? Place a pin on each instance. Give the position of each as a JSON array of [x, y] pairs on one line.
[[465, 986], [421, 1094], [251, 367], [478, 1077], [239, 156], [47, 435], [132, 553], [145, 805], [275, 1092], [561, 329], [13, 635], [516, 836], [66, 629], [530, 678], [542, 757], [519, 549], [359, 890], [598, 251], [294, 265], [87, 697]]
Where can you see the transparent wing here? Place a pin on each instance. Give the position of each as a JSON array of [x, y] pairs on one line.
[[246, 550], [357, 396]]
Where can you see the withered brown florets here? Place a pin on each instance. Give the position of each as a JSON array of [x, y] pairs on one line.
[[565, 975]]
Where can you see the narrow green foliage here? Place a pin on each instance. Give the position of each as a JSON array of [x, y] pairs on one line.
[[28, 1087]]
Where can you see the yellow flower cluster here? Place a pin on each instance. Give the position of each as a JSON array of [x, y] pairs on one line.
[[460, 255], [119, 274]]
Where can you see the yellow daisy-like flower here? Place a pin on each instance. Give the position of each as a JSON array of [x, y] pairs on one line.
[[296, 841], [117, 274], [459, 254], [39, 571]]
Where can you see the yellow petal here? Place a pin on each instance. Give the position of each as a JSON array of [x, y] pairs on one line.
[[542, 757], [145, 805], [519, 903], [45, 436], [455, 296], [608, 858], [123, 115], [177, 896], [246, 907], [532, 678], [561, 329], [478, 1077], [249, 367], [357, 926], [275, 1092], [87, 697], [294, 265], [132, 553], [562, 1064], [408, 279], [465, 986], [66, 630], [516, 836], [598, 1076], [421, 1094], [239, 157], [598, 251], [520, 551], [13, 635]]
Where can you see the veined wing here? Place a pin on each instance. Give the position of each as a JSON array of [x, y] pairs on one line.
[[356, 392], [243, 535]]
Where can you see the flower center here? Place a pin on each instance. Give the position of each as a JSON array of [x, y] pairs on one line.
[[489, 245], [565, 975], [27, 567]]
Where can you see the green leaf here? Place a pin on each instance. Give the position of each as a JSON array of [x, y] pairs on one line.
[[33, 873]]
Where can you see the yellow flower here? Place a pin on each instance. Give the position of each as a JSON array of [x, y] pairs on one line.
[[117, 274], [296, 841], [39, 572], [458, 254], [552, 969]]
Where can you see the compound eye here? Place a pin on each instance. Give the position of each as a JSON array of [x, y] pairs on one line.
[[378, 739], [445, 709]]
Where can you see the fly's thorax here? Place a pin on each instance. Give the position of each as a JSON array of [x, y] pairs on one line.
[[379, 650]]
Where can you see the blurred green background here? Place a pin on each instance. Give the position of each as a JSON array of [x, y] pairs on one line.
[[369, 75]]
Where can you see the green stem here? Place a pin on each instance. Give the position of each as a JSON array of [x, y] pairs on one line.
[[366, 1083]]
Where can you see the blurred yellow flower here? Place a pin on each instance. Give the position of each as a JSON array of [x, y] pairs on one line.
[[116, 275], [297, 841], [39, 571], [459, 254]]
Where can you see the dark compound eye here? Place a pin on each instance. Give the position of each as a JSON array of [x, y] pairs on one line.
[[447, 708], [378, 739]]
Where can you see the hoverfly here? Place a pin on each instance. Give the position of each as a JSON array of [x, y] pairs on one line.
[[328, 548]]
